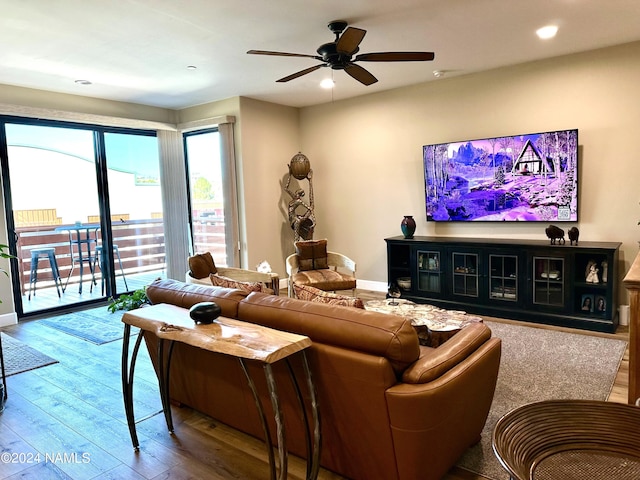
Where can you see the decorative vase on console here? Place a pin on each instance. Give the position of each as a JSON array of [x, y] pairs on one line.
[[408, 226]]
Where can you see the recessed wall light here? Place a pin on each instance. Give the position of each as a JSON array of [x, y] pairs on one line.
[[327, 83], [83, 82], [547, 32]]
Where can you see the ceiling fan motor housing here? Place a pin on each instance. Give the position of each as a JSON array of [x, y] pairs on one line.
[[330, 55]]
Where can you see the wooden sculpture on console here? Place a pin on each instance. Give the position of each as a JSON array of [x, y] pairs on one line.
[[301, 215]]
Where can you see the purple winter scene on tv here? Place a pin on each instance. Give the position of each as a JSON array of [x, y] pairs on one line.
[[525, 178]]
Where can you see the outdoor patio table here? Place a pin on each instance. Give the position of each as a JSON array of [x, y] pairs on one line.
[[79, 236]]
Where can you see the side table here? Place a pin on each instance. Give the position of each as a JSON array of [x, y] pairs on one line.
[[245, 341]]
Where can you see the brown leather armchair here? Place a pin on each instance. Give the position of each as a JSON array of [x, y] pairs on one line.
[[340, 274]]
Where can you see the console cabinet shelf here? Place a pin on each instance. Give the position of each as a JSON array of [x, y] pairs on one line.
[[564, 285]]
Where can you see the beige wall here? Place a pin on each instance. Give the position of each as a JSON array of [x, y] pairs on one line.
[[269, 138], [82, 107], [266, 137], [367, 151]]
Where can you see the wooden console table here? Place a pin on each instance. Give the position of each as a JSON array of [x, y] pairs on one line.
[[245, 341]]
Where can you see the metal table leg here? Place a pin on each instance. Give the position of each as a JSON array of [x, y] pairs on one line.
[[263, 418], [127, 382], [128, 372], [163, 381], [280, 430]]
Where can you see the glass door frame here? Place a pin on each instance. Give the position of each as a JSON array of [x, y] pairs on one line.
[[102, 187]]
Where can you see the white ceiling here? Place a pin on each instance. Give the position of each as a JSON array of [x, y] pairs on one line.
[[138, 50]]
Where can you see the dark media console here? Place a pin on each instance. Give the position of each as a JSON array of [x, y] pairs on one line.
[[531, 280]]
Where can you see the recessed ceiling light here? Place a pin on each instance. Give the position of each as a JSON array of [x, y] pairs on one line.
[[191, 67], [327, 83], [83, 82], [438, 73], [547, 32]]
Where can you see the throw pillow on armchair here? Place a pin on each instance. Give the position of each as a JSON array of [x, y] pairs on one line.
[[312, 254], [202, 265]]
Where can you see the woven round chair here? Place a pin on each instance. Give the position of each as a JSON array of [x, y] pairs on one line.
[[570, 439]]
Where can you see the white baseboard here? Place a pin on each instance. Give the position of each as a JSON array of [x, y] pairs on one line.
[[7, 319]]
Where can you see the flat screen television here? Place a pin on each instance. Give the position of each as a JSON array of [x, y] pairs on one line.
[[520, 178]]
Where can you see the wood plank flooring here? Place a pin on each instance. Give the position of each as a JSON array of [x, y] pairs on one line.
[[66, 421]]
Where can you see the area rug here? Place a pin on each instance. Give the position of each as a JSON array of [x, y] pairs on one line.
[[19, 357], [95, 325], [539, 364]]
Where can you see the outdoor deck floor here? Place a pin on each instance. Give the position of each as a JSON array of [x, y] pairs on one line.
[[46, 297]]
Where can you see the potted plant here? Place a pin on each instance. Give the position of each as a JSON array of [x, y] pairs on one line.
[[4, 254], [128, 302]]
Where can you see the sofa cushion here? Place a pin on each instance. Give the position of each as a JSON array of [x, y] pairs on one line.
[[220, 281], [186, 295], [434, 362], [202, 265], [312, 254], [312, 294], [381, 334]]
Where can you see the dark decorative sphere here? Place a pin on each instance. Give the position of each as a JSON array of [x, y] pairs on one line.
[[205, 312], [299, 166]]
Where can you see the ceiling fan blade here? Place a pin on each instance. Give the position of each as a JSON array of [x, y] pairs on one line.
[[360, 74], [282, 54], [395, 57], [300, 73], [349, 40]]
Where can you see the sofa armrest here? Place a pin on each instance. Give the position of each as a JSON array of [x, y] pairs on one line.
[[441, 419], [434, 362], [338, 260]]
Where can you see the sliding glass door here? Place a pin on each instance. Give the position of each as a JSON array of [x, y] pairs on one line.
[[209, 195], [84, 212]]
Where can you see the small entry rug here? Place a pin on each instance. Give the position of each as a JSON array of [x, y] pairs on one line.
[[95, 325], [19, 357], [540, 364]]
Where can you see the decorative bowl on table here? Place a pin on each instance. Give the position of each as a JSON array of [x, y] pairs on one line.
[[404, 283], [205, 312]]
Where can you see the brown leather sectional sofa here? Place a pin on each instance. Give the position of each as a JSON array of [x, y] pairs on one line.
[[389, 408]]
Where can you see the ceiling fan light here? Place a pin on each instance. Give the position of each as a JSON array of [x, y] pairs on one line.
[[546, 32], [327, 83]]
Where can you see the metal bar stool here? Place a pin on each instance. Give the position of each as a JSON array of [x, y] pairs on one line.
[[98, 258], [49, 253]]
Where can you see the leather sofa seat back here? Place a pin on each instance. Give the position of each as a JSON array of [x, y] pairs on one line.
[[388, 336], [186, 295]]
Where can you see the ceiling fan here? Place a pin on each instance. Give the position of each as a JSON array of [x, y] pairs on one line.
[[339, 55]]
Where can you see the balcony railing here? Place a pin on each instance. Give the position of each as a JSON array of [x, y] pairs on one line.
[[140, 242]]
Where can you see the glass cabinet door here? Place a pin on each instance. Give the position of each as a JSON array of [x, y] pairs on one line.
[[503, 277], [429, 273], [548, 285], [465, 274]]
